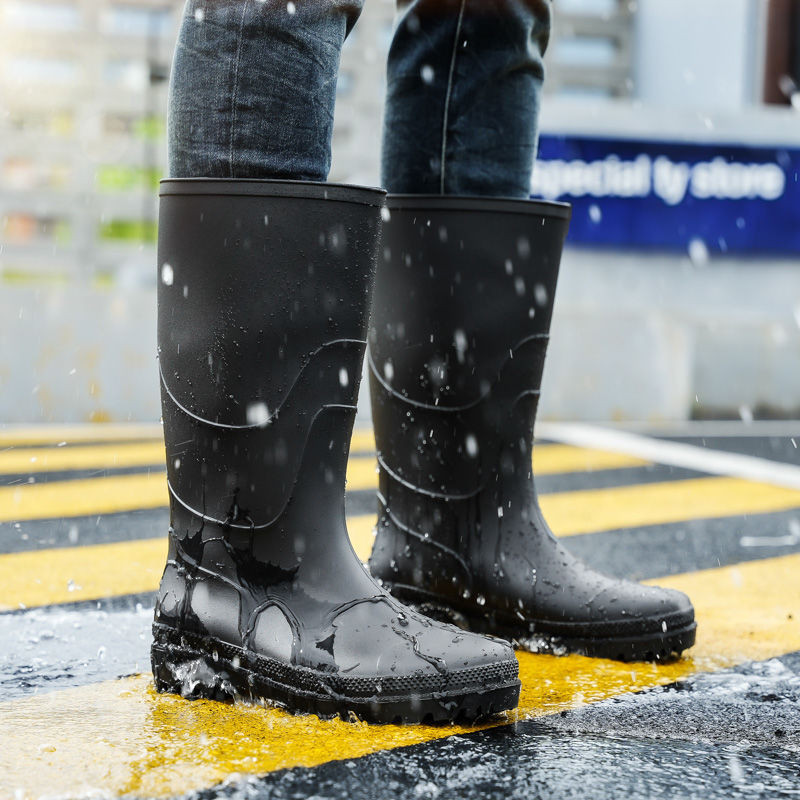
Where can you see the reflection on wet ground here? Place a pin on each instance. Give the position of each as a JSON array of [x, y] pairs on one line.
[[723, 722]]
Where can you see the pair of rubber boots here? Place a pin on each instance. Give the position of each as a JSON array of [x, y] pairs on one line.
[[264, 310]]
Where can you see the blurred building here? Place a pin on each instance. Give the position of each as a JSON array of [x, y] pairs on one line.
[[82, 97], [672, 129], [691, 320]]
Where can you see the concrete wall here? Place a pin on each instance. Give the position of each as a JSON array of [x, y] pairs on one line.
[[633, 339], [77, 354], [661, 338], [703, 55]]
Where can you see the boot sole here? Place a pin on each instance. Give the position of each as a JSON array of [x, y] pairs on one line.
[[198, 667], [661, 646]]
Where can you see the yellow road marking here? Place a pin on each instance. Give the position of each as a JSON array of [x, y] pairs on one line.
[[83, 497], [551, 459], [362, 534], [585, 511], [31, 460], [120, 737], [72, 574], [96, 571], [15, 436], [593, 510], [362, 441], [361, 469], [91, 572]]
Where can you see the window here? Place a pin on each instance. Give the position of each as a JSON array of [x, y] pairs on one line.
[[23, 227], [119, 124], [120, 178], [138, 21], [36, 69], [585, 51], [128, 230], [41, 16], [126, 73], [59, 123]]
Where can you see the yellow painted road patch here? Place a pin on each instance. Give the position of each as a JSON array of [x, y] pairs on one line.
[[32, 460], [73, 574], [100, 568], [361, 469], [593, 510], [15, 436], [552, 459], [120, 737], [568, 513], [83, 497]]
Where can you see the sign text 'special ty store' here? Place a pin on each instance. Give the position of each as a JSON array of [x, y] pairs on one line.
[[644, 194]]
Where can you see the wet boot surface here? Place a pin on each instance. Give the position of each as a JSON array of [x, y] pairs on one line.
[[464, 300], [263, 308]]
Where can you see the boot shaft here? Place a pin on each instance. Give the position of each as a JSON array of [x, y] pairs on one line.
[[463, 304], [264, 296]]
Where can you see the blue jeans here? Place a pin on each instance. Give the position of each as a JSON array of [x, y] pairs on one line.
[[253, 89]]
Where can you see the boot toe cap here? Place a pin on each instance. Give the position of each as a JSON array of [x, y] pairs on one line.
[[387, 640]]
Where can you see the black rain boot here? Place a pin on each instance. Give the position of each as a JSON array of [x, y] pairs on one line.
[[463, 303], [264, 297]]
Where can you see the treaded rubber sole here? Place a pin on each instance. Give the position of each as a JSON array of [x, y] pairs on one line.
[[203, 667], [659, 646]]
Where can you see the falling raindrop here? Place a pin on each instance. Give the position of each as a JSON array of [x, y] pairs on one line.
[[344, 377], [698, 252], [540, 294], [388, 370], [519, 285], [167, 275], [460, 342], [257, 414], [199, 15], [291, 8], [386, 215], [472, 445], [427, 73], [595, 214]]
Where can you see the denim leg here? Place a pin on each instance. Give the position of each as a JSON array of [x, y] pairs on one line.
[[253, 88], [462, 106]]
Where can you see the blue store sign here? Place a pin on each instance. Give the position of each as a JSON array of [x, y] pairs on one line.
[[665, 195]]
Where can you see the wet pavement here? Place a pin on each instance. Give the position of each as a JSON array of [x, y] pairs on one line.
[[82, 524]]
